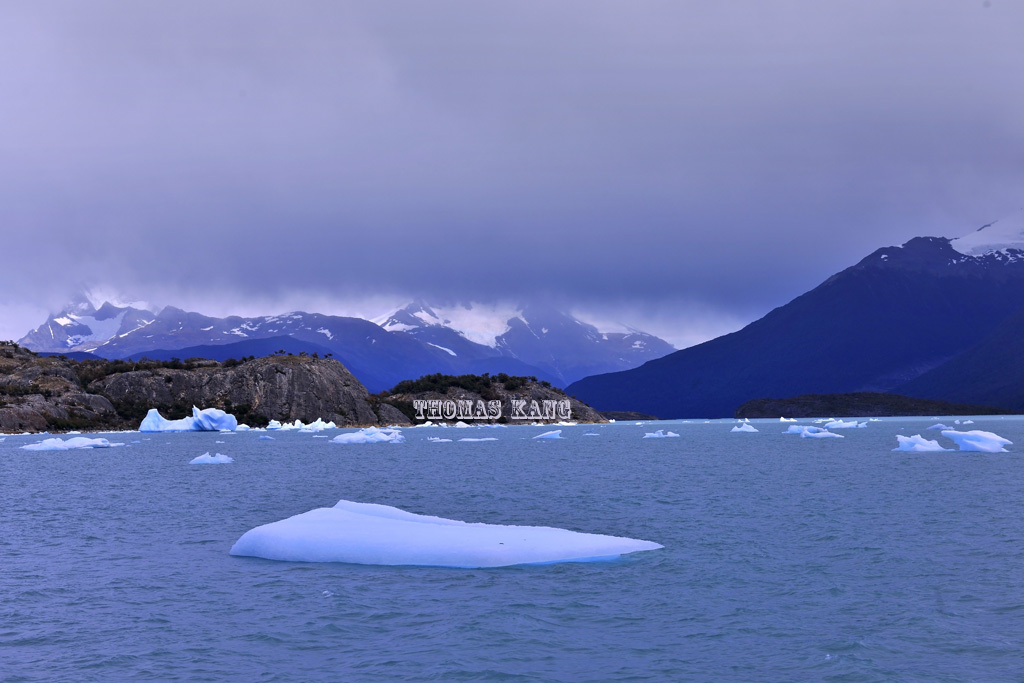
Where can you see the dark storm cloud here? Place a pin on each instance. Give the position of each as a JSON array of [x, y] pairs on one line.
[[730, 154]]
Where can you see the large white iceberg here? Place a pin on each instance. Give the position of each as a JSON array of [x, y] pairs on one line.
[[364, 533], [207, 459], [745, 427], [659, 435], [977, 440], [556, 434], [370, 435], [917, 444], [69, 444], [209, 420]]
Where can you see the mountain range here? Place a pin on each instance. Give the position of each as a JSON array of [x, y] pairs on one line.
[[413, 341], [934, 318]]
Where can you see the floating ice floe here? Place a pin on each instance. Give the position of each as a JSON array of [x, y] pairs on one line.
[[812, 432], [968, 422], [787, 419], [977, 440], [207, 459], [591, 434], [264, 437], [939, 426], [364, 533], [917, 444], [370, 435], [659, 435], [745, 427], [461, 425], [484, 438], [316, 425], [73, 443], [209, 420], [556, 434], [849, 424], [437, 439], [243, 428]]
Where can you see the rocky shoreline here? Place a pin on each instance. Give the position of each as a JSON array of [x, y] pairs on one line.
[[56, 394]]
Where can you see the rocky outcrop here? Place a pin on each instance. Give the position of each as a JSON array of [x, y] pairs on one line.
[[485, 388], [284, 388], [57, 394]]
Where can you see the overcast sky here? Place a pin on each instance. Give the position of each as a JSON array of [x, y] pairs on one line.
[[682, 166]]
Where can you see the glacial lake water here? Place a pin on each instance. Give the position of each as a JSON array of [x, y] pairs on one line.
[[785, 558]]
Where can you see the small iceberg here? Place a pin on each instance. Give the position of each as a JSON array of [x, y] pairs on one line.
[[591, 434], [370, 435], [917, 444], [207, 459], [812, 432], [659, 435], [849, 424], [209, 420], [745, 427], [316, 425], [364, 533], [71, 444], [787, 419], [977, 440], [485, 438], [968, 422], [437, 439], [556, 434], [939, 426], [265, 438]]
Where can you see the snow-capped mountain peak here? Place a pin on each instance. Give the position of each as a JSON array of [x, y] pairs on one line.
[[1001, 235]]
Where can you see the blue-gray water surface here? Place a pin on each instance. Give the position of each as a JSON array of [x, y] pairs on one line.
[[785, 558]]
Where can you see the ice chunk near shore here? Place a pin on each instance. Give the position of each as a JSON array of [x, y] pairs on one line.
[[364, 533], [977, 440], [917, 444], [849, 424], [556, 434], [207, 459], [659, 435], [939, 426], [370, 435], [745, 427], [73, 443], [209, 420]]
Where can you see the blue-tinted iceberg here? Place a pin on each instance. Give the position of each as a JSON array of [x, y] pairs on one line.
[[917, 444], [207, 459], [849, 424], [659, 434], [483, 438], [209, 420], [556, 434], [69, 444], [363, 533], [745, 427], [812, 432], [370, 435], [977, 440], [938, 426]]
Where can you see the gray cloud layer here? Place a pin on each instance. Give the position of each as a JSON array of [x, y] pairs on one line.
[[706, 156]]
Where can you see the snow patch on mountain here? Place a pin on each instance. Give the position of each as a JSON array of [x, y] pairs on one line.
[[999, 236]]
